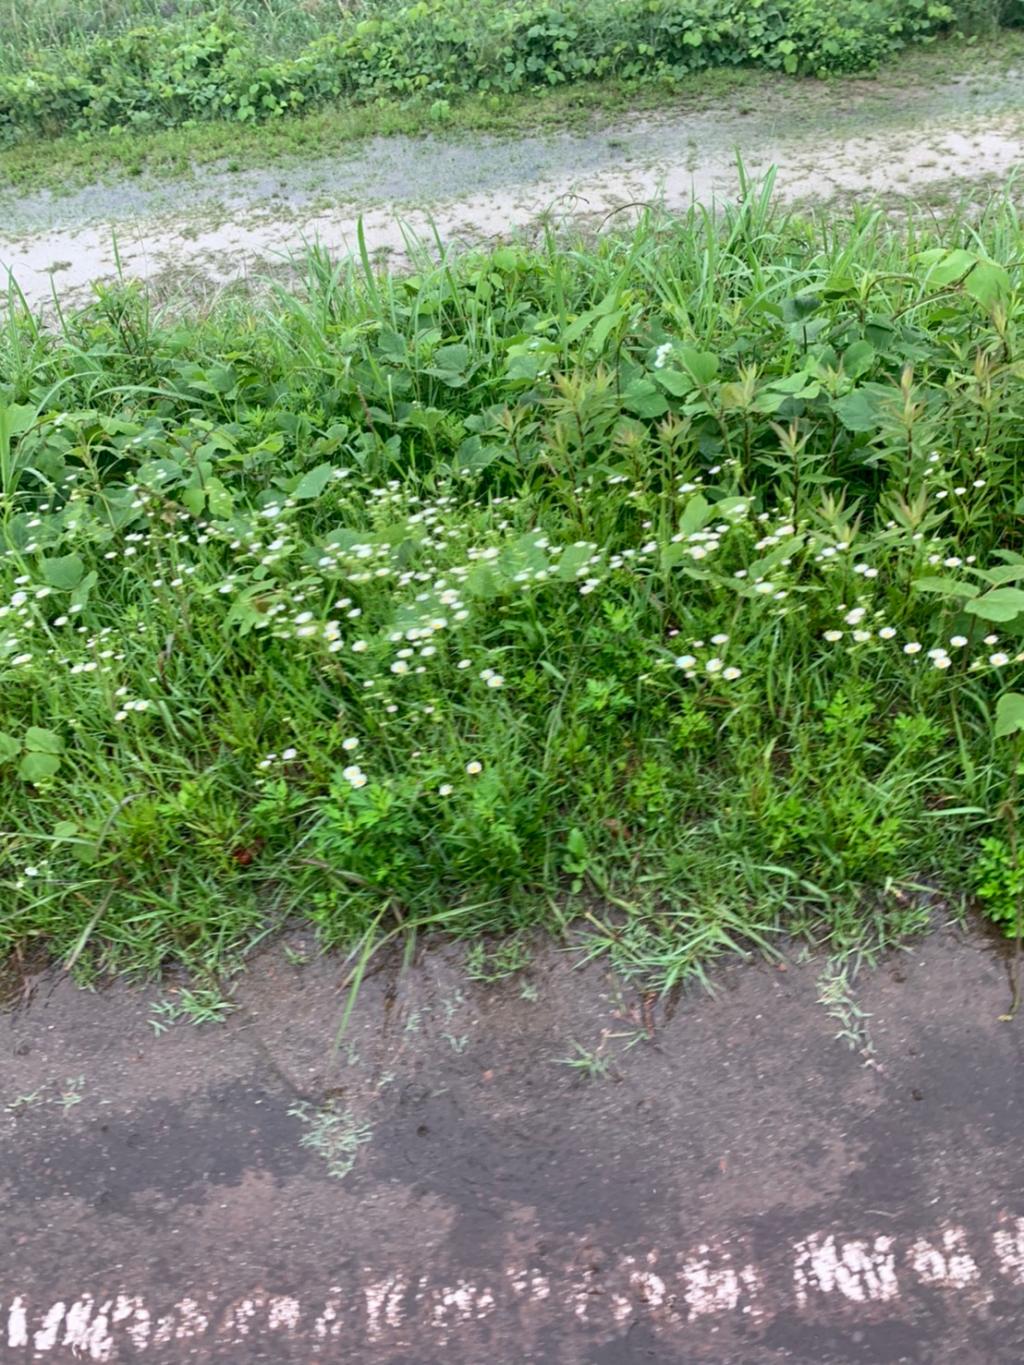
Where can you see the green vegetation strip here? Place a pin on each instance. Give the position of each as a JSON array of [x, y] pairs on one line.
[[241, 64], [675, 578]]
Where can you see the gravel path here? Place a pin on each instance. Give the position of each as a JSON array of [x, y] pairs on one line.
[[931, 144]]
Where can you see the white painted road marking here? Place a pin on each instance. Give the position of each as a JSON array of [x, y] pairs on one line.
[[707, 1282]]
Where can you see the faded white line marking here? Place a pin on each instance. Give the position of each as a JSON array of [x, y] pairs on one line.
[[946, 1266], [17, 1324], [46, 1338], [707, 1285], [861, 1271]]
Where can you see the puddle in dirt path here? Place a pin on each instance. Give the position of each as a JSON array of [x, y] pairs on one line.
[[724, 1181], [872, 142]]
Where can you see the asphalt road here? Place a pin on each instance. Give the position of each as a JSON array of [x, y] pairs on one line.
[[730, 1183]]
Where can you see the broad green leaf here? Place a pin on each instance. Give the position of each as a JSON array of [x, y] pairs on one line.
[[1001, 604], [573, 557], [952, 587], [9, 748], [946, 267], [857, 358], [598, 337], [695, 515], [218, 500], [1009, 714], [674, 382], [15, 419], [576, 329], [38, 767], [313, 483], [474, 454], [481, 581], [861, 409], [982, 279], [64, 572], [702, 365], [786, 550], [65, 829], [194, 499], [1002, 573], [643, 400], [43, 741], [987, 283], [80, 596]]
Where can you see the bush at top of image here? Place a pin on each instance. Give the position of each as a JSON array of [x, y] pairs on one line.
[[177, 71]]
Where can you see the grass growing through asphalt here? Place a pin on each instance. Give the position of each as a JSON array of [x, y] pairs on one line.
[[667, 579]]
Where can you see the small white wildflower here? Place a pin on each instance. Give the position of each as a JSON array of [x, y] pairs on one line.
[[854, 617], [912, 647], [731, 674], [719, 639], [998, 660], [833, 635], [958, 641], [474, 767], [495, 680], [350, 744], [288, 754], [713, 666], [991, 639], [445, 789], [943, 661], [886, 633], [862, 636]]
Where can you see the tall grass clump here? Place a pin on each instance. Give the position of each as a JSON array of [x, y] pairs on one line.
[[678, 573], [66, 70]]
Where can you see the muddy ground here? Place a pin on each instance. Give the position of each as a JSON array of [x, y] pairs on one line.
[[938, 143], [724, 1181]]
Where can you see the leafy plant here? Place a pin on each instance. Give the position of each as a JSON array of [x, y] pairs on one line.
[[671, 580], [237, 63]]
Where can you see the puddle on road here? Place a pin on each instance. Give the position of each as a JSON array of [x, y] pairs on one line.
[[733, 1184], [475, 191]]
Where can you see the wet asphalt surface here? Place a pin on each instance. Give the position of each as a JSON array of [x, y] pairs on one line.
[[729, 1183]]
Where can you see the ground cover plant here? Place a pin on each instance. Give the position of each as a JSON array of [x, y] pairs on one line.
[[673, 580], [61, 74]]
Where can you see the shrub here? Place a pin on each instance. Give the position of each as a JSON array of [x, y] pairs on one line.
[[176, 72]]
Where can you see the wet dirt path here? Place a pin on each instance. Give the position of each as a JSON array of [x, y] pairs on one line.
[[731, 1184], [930, 143]]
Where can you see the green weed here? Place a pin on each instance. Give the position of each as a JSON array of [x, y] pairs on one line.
[[668, 580], [249, 65]]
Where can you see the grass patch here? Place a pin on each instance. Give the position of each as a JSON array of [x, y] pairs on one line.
[[223, 64], [72, 161], [668, 579]]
